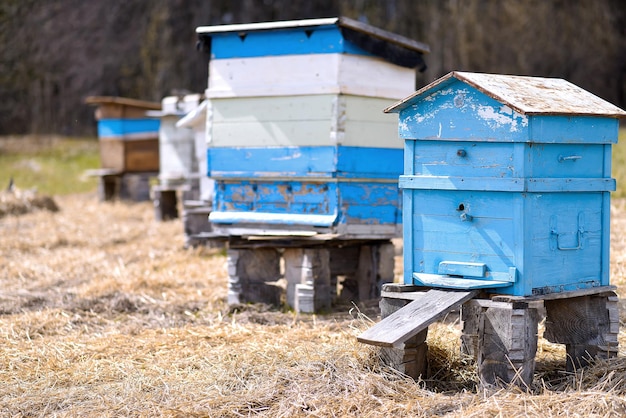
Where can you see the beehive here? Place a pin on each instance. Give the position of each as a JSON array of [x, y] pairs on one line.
[[298, 142], [177, 156], [506, 184], [128, 137]]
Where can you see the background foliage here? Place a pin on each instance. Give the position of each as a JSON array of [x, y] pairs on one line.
[[57, 52]]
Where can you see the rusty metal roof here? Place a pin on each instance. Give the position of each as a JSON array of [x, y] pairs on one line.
[[526, 95]]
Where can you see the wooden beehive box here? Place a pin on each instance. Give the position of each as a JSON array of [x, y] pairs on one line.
[[129, 139], [298, 142], [506, 184], [177, 155]]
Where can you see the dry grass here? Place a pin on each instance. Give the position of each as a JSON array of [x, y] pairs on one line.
[[104, 313]]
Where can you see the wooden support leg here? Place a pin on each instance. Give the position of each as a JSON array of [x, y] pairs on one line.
[[135, 187], [507, 344], [108, 188], [587, 325], [411, 358], [165, 204], [250, 276], [373, 268], [307, 271], [470, 318], [343, 264]]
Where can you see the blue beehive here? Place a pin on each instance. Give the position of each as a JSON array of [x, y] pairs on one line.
[[129, 138], [506, 184], [297, 140]]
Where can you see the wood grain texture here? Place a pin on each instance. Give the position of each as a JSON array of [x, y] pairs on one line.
[[507, 345], [414, 317], [410, 357], [251, 276], [587, 325]]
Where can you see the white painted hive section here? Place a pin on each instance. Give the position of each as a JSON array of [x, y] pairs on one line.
[[309, 74], [308, 120], [180, 105]]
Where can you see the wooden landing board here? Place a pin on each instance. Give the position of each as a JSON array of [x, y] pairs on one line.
[[415, 317]]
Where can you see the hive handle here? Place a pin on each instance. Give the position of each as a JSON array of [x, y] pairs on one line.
[[569, 158], [579, 234]]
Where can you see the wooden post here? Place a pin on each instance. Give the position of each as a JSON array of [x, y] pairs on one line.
[[470, 319], [587, 325], [507, 343], [250, 276], [307, 271], [165, 203], [108, 187], [135, 186], [411, 358], [366, 268]]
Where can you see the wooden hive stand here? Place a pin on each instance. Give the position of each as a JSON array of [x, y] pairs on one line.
[[499, 331], [312, 272]]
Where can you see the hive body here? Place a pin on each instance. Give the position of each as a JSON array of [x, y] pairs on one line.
[[505, 187], [297, 140]]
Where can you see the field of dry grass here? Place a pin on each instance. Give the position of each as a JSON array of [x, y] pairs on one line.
[[104, 313]]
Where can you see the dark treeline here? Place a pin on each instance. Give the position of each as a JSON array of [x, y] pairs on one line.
[[54, 53]]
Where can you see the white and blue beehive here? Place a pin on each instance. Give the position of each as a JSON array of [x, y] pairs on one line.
[[506, 184], [297, 140]]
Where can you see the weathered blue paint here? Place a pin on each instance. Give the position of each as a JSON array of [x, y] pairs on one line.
[[306, 203], [497, 198], [322, 161], [120, 128], [573, 130], [536, 185], [564, 232], [324, 187], [314, 40], [460, 112]]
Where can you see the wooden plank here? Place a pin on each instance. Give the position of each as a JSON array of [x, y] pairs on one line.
[[403, 295], [556, 295], [306, 120], [415, 317], [122, 101], [291, 75]]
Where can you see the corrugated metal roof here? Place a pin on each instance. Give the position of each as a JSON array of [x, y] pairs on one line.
[[526, 95]]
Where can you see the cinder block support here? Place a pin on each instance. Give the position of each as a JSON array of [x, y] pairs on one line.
[[412, 357], [307, 271], [507, 343], [251, 273], [587, 325]]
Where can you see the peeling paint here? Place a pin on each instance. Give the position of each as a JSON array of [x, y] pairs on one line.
[[293, 156], [499, 118]]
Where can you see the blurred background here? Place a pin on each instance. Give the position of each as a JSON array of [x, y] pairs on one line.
[[55, 53]]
